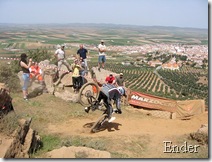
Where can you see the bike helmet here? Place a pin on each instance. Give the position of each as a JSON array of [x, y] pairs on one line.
[[121, 90]]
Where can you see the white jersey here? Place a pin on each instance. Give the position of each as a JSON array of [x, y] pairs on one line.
[[60, 54], [102, 47]]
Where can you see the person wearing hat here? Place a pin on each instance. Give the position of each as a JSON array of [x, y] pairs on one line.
[[110, 79], [119, 80], [25, 65], [61, 59], [102, 55]]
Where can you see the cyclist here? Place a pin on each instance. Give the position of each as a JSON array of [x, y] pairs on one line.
[[108, 93]]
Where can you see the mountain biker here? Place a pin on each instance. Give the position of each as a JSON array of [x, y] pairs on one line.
[[108, 93]]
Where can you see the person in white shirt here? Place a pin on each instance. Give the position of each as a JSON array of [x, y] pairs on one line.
[[60, 55], [102, 57], [61, 60]]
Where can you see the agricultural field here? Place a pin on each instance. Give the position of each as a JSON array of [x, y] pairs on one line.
[[182, 84], [178, 85], [136, 134]]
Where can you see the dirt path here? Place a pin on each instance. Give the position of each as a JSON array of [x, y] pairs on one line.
[[131, 126], [127, 127]]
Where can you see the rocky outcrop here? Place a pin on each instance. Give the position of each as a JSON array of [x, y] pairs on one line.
[[5, 101], [25, 141], [49, 73], [77, 152], [201, 135]]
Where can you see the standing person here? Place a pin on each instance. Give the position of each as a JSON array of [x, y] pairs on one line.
[[102, 57], [119, 80], [82, 55], [61, 60], [26, 74], [82, 73]]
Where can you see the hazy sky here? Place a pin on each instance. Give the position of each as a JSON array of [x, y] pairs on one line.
[[179, 13]]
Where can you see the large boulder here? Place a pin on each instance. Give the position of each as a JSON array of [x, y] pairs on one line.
[[201, 135], [77, 152], [57, 87], [49, 73], [5, 101], [25, 142]]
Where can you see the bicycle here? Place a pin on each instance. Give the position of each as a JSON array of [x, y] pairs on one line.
[[88, 96]]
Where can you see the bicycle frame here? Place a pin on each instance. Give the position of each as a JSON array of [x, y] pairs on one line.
[[91, 103]]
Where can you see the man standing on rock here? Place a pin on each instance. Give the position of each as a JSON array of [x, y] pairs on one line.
[[102, 57], [82, 55], [61, 60]]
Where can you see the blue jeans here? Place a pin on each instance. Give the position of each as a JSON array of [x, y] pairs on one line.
[[102, 58], [26, 79]]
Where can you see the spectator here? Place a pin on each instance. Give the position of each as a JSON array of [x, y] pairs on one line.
[[82, 73], [61, 60], [119, 80], [82, 55], [26, 74], [76, 78], [102, 57], [36, 72], [110, 79]]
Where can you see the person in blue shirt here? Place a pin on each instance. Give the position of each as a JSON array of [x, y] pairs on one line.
[[82, 55]]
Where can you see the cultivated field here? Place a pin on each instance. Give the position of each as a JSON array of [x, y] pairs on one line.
[[134, 134]]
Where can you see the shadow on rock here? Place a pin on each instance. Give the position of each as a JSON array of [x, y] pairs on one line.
[[36, 92]]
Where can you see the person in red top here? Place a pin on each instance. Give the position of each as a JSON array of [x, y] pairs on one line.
[[36, 72], [110, 79]]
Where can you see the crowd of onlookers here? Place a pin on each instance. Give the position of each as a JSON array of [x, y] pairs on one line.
[[112, 89], [79, 68]]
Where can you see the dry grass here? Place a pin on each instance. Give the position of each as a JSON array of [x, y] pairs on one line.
[[48, 110]]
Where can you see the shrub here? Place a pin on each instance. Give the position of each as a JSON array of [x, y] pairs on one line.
[[39, 55], [9, 77]]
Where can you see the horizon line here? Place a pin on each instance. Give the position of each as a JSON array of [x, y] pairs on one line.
[[133, 25]]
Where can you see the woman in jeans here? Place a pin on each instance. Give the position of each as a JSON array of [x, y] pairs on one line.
[[26, 73]]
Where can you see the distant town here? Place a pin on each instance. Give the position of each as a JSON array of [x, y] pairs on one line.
[[194, 53]]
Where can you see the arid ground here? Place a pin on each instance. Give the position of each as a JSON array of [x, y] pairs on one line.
[[134, 134]]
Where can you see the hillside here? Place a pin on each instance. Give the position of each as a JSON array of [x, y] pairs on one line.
[[134, 134]]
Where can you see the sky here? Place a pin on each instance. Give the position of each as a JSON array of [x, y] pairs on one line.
[[178, 13]]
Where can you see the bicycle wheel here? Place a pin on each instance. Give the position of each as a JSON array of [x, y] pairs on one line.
[[88, 91], [98, 123]]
